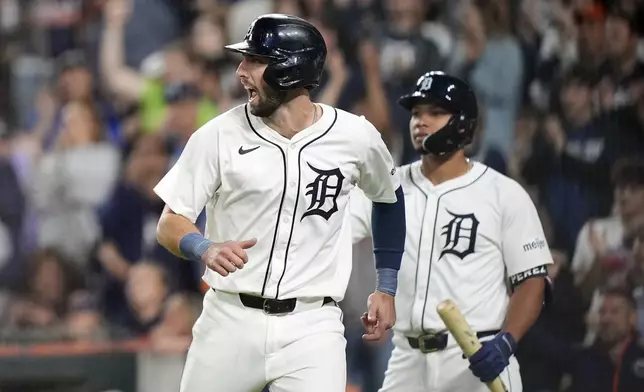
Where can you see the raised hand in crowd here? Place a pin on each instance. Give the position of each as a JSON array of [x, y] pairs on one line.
[[117, 12]]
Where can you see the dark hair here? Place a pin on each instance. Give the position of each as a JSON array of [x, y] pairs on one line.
[[495, 15], [621, 292], [179, 92], [579, 74], [164, 145], [628, 171], [70, 59], [529, 111], [72, 277], [630, 19]]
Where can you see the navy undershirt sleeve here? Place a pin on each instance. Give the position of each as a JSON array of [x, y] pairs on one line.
[[388, 231]]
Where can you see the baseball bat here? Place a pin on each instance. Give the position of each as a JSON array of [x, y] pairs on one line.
[[465, 337]]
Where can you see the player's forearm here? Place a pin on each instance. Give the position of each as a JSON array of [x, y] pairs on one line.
[[389, 228], [172, 229], [525, 306]]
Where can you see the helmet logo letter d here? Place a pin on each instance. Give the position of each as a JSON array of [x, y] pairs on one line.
[[426, 84]]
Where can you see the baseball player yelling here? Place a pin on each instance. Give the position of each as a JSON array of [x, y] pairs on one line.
[[473, 236], [274, 176]]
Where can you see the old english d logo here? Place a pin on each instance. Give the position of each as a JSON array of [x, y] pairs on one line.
[[325, 187], [460, 235]]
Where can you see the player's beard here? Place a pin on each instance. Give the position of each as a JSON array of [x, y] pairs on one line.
[[268, 100]]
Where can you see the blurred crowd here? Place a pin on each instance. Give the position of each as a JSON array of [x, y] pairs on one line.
[[98, 98]]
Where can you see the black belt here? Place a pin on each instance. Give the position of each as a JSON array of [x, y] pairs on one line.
[[438, 341], [274, 306]]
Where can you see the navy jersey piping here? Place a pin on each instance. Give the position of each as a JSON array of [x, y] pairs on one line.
[[420, 241], [279, 211]]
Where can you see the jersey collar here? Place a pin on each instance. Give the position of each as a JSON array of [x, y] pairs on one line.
[[468, 178], [322, 125]]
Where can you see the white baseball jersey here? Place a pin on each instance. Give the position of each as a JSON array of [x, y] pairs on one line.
[[290, 194], [465, 237]]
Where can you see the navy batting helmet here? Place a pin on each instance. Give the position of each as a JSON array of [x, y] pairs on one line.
[[294, 48], [453, 95]]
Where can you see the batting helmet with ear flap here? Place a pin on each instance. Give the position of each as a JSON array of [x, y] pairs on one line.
[[456, 97], [294, 48]]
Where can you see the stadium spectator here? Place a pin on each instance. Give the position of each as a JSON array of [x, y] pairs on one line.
[[147, 290], [614, 361], [500, 54], [50, 282], [623, 72], [176, 63], [72, 181]]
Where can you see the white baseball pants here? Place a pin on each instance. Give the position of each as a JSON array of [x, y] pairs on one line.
[[241, 349], [409, 370]]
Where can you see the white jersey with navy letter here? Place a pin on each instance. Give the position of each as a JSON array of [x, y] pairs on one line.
[[290, 194], [467, 238]]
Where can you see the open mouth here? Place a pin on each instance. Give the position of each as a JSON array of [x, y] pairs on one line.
[[252, 94]]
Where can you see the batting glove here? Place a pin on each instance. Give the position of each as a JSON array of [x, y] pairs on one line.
[[493, 357]]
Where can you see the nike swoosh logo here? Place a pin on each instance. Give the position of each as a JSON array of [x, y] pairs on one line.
[[242, 151]]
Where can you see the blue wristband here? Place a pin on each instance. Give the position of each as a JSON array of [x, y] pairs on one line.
[[387, 280], [193, 246]]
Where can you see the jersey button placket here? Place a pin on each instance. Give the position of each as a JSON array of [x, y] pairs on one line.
[[426, 260], [287, 213], [291, 190]]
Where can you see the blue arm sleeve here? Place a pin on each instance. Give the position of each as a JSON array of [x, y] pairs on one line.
[[388, 230]]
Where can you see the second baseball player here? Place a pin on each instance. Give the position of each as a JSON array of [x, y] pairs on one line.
[[473, 236]]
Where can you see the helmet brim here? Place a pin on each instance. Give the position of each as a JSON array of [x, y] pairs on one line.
[[246, 48], [410, 100]]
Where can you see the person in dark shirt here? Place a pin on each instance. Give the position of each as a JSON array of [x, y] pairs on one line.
[[573, 155], [615, 362], [128, 222], [564, 318], [405, 53], [622, 72]]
